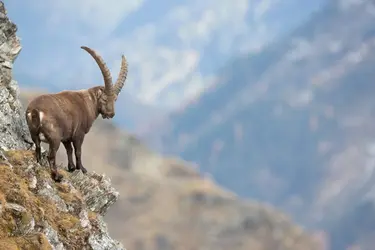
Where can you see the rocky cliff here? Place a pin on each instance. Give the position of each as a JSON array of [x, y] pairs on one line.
[[12, 126], [35, 212]]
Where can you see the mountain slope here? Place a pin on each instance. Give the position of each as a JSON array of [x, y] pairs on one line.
[[294, 124]]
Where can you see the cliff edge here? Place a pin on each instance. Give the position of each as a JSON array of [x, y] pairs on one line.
[[35, 212]]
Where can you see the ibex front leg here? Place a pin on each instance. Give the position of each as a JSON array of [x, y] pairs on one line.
[[77, 143], [69, 152], [54, 145]]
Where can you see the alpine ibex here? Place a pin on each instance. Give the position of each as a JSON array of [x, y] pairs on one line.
[[67, 116]]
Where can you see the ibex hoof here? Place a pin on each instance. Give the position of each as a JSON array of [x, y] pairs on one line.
[[71, 168], [84, 170], [80, 167], [38, 159], [56, 177]]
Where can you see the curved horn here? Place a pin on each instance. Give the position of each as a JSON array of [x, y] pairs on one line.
[[103, 68], [121, 76]]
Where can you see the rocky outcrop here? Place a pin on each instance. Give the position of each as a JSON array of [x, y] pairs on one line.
[[12, 126], [68, 215], [35, 212]]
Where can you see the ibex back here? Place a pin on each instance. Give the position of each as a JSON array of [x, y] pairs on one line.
[[67, 116]]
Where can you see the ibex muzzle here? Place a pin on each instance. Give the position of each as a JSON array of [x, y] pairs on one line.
[[67, 116]]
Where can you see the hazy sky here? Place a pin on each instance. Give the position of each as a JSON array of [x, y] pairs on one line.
[[174, 48]]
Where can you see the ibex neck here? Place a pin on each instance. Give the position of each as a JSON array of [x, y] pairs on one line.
[[91, 101]]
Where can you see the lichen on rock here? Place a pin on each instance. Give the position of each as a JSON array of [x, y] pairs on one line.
[[36, 212], [96, 189]]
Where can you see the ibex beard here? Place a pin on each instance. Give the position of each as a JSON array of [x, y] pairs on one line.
[[67, 116]]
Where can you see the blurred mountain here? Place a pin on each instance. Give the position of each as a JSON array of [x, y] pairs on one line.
[[166, 204], [294, 125], [133, 115]]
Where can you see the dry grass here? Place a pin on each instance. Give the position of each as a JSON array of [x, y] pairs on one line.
[[14, 188], [30, 242]]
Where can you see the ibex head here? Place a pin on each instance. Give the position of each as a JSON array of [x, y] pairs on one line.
[[107, 95]]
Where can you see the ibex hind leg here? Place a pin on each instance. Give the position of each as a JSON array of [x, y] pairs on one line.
[[77, 143], [69, 151], [38, 151], [53, 147]]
